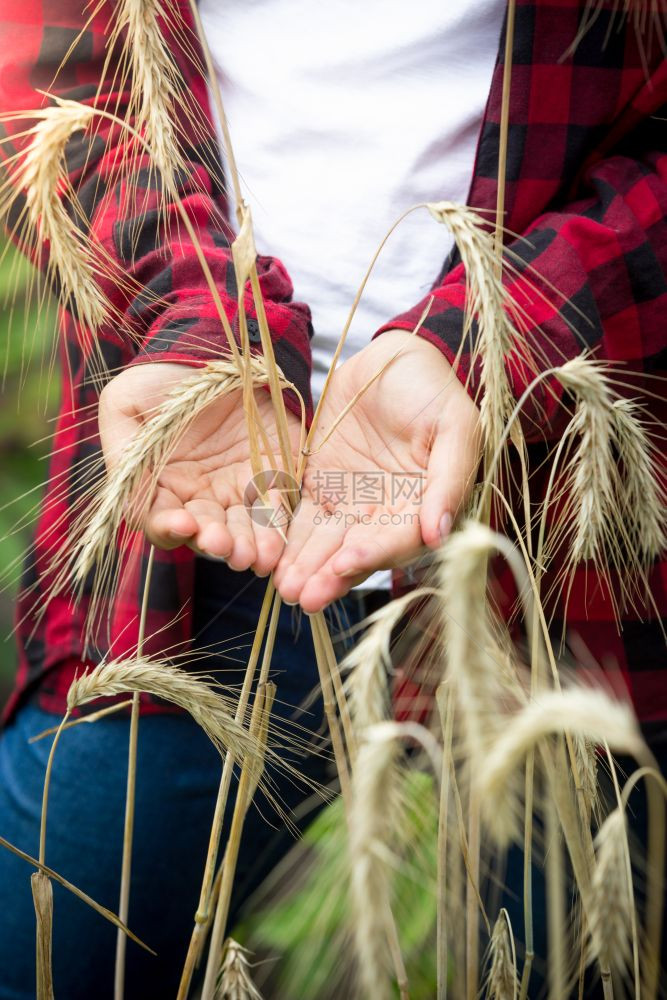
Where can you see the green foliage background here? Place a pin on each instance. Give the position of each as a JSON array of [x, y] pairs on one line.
[[28, 341]]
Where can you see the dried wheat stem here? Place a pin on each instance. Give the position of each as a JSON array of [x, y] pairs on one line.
[[238, 818], [475, 684], [329, 704], [42, 897], [555, 890], [529, 950], [265, 707], [202, 916], [445, 702], [318, 621], [472, 896], [236, 982], [126, 864], [93, 717], [259, 727], [47, 786], [504, 133], [128, 827], [83, 896]]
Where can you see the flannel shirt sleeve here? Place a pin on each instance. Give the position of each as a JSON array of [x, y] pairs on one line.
[[150, 272], [588, 274]]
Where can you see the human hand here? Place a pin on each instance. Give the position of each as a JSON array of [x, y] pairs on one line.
[[415, 420], [199, 499]]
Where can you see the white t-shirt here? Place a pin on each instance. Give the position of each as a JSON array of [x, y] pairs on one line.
[[343, 114]]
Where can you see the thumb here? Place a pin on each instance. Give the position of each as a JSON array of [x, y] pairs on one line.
[[452, 467], [128, 399]]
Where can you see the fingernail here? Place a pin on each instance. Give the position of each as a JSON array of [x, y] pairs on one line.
[[445, 525]]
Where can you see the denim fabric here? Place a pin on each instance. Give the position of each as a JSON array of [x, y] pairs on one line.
[[178, 772]]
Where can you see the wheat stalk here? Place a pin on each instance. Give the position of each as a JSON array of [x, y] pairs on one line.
[[209, 707], [42, 897], [236, 982]]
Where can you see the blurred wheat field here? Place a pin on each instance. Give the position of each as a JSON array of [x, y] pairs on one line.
[[29, 400]]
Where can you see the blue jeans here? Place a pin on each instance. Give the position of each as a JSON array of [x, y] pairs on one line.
[[178, 772]]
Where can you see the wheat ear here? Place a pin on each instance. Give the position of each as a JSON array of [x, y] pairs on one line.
[[615, 513], [587, 712], [610, 913], [209, 707], [368, 664], [502, 979], [487, 305], [643, 501], [369, 830], [154, 80], [42, 173], [236, 982]]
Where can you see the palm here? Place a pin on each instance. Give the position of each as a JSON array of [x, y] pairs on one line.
[[376, 490], [199, 499]]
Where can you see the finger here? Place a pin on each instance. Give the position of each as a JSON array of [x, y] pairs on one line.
[[451, 473], [298, 533], [325, 539], [213, 537], [368, 548], [317, 596], [117, 426], [244, 551], [269, 527], [167, 523]]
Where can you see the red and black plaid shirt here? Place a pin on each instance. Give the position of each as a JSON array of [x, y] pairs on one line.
[[586, 194]]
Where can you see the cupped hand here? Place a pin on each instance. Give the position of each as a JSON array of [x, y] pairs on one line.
[[389, 479], [199, 497]]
